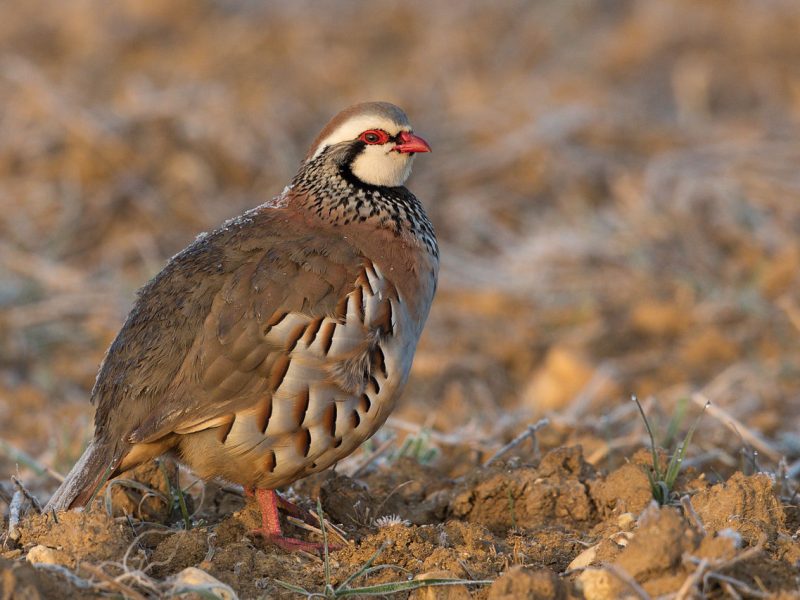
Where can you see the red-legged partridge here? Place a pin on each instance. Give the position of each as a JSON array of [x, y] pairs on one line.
[[272, 347]]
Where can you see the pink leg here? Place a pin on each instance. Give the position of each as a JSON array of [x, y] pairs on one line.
[[268, 502], [290, 508]]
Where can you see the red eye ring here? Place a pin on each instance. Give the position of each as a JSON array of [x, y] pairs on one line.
[[374, 136]]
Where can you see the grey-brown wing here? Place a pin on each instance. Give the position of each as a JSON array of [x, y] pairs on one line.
[[240, 351]]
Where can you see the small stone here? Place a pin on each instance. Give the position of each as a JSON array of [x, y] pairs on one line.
[[598, 584], [193, 579], [584, 559], [626, 521], [40, 554]]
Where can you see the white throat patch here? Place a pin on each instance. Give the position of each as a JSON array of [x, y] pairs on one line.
[[378, 164]]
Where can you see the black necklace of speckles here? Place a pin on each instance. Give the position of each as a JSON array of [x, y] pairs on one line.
[[338, 196]]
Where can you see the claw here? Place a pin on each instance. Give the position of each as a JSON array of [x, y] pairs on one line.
[[291, 544], [290, 508], [270, 530]]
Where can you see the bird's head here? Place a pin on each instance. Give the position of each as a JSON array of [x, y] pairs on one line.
[[373, 141]]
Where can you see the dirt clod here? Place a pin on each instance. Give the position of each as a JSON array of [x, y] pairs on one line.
[[520, 583], [626, 489], [153, 501], [746, 504], [654, 553], [528, 497], [92, 536], [41, 554], [179, 551], [20, 580]]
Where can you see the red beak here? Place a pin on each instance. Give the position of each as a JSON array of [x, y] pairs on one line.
[[411, 143]]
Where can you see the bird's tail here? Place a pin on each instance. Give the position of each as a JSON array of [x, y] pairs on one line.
[[92, 470]]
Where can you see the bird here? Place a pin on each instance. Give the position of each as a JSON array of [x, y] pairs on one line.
[[273, 346]]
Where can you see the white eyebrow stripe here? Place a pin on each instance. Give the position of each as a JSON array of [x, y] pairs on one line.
[[352, 128]]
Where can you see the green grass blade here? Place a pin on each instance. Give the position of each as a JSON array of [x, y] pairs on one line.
[[187, 521], [674, 466], [177, 495], [364, 568], [326, 555], [403, 450], [677, 458], [675, 422], [661, 492], [377, 568], [653, 451], [292, 588]]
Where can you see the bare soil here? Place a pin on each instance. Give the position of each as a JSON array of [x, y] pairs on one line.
[[520, 523]]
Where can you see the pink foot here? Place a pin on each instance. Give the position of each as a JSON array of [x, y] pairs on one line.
[[291, 544], [270, 530]]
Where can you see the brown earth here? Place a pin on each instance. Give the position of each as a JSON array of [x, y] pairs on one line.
[[518, 525], [615, 186]]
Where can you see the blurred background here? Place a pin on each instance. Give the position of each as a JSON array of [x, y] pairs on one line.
[[615, 184]]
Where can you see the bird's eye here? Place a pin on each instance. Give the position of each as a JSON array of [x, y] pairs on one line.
[[374, 136]]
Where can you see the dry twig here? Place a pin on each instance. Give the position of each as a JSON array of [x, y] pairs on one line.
[[26, 459], [625, 578], [15, 510], [21, 487], [375, 455], [687, 590], [328, 525], [530, 432], [110, 582], [750, 436], [691, 514], [736, 583]]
